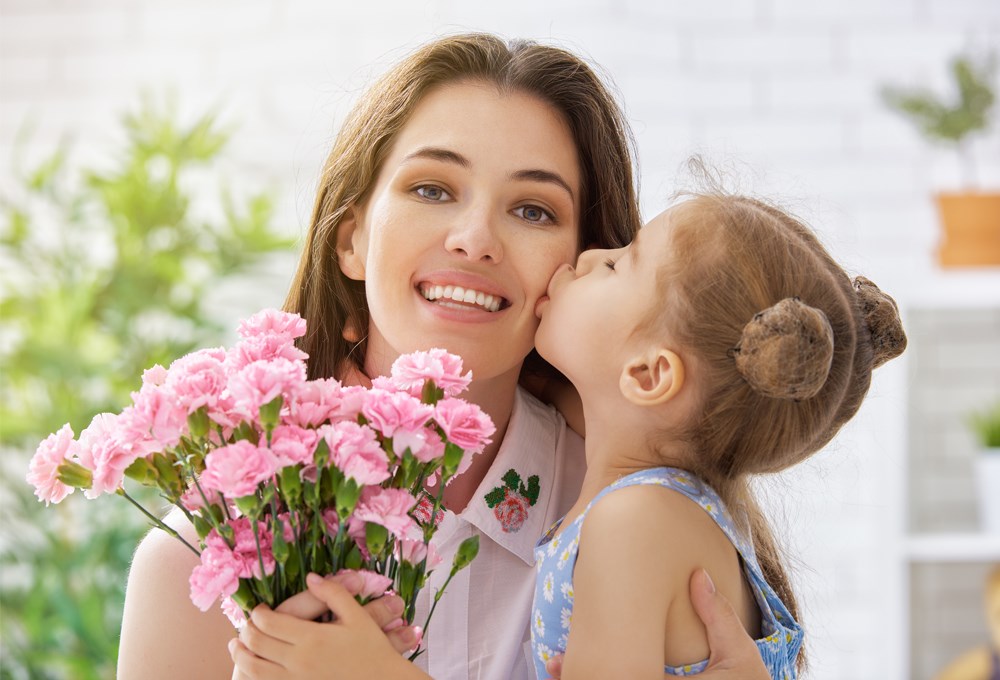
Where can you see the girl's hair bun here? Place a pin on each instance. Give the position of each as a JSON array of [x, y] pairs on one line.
[[786, 350], [882, 318]]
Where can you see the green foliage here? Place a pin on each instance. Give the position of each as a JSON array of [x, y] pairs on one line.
[[104, 273], [949, 121], [986, 425]]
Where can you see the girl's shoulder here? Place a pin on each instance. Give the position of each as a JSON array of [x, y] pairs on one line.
[[655, 502]]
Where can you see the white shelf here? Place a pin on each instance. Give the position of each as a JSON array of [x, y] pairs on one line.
[[966, 547]]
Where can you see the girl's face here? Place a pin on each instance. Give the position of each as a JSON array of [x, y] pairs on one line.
[[590, 317], [474, 208]]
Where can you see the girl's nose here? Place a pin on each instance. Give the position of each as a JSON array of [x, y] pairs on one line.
[[588, 259], [475, 235]]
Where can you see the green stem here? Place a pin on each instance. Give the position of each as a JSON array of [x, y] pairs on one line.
[[158, 522]]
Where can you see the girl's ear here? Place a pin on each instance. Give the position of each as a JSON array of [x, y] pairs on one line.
[[652, 378], [351, 245]]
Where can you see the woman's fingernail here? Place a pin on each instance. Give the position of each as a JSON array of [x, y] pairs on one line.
[[314, 579], [711, 583]]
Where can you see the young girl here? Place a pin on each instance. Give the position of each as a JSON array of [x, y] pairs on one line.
[[722, 342]]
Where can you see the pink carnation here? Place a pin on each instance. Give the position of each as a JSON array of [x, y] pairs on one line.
[[192, 498], [352, 398], [261, 382], [43, 471], [245, 549], [154, 376], [103, 450], [315, 402], [432, 449], [410, 371], [155, 421], [263, 348], [292, 445], [273, 322], [198, 379], [234, 613], [464, 424], [355, 452], [211, 580], [237, 469], [221, 566], [372, 584], [398, 415], [388, 507], [417, 551], [242, 557]]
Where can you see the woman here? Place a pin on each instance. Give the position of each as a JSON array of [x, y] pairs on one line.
[[462, 179]]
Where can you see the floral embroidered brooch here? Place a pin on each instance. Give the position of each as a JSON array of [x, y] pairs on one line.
[[511, 501]]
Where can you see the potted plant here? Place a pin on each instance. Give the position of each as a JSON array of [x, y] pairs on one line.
[[970, 218], [986, 425]]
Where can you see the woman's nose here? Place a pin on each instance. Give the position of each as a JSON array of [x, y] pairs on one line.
[[475, 235]]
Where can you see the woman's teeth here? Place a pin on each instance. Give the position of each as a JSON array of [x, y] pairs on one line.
[[466, 296]]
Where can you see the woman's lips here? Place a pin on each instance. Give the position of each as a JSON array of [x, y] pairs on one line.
[[460, 297]]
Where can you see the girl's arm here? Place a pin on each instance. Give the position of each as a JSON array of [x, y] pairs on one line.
[[275, 646], [164, 636], [734, 655], [622, 590]]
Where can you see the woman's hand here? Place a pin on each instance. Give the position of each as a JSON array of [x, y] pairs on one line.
[[281, 644], [734, 654]]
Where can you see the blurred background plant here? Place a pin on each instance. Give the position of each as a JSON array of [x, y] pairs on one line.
[[104, 273]]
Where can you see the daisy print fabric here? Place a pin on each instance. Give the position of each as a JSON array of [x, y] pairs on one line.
[[555, 558]]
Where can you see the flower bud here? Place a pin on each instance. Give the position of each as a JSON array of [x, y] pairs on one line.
[[467, 552], [75, 475]]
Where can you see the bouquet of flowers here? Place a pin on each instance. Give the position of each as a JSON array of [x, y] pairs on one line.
[[281, 475]]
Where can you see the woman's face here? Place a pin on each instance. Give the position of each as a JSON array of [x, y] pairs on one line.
[[474, 208]]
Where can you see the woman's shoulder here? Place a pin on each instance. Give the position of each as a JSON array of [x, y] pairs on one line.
[[159, 617]]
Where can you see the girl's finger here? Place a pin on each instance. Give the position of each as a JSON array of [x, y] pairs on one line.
[[385, 610], [404, 638], [302, 605], [262, 644], [337, 598], [249, 666]]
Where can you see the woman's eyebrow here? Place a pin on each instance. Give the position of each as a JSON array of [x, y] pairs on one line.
[[543, 176], [436, 153]]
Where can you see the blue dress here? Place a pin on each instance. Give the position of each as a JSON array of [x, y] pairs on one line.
[[555, 559]]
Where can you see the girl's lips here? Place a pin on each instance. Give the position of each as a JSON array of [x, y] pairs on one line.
[[562, 269]]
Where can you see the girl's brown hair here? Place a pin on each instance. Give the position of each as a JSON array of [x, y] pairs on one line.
[[609, 214], [731, 258]]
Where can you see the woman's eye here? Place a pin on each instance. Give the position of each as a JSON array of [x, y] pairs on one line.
[[610, 264], [432, 192], [532, 213]]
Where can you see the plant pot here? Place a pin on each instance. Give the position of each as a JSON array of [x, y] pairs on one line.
[[971, 225], [988, 488]]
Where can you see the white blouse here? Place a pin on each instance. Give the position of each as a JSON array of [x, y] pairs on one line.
[[480, 627]]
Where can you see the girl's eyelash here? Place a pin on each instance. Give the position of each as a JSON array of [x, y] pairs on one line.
[[610, 264]]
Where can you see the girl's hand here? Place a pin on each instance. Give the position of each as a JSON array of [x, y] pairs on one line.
[[277, 644], [734, 655]]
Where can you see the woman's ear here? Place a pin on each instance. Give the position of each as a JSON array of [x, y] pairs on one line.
[[351, 245], [652, 378]]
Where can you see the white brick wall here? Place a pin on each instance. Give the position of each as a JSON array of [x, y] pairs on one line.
[[785, 91]]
